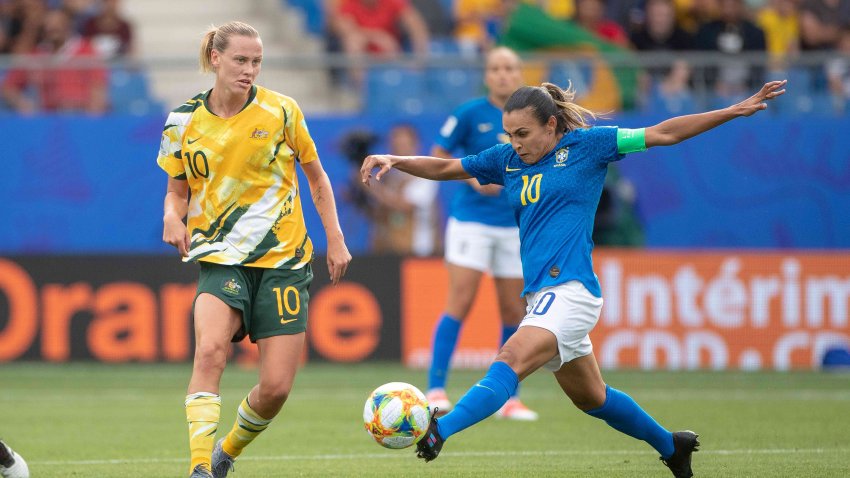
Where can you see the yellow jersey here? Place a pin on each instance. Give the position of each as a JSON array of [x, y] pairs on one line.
[[244, 207]]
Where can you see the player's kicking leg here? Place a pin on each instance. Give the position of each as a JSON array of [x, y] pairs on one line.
[[582, 382]]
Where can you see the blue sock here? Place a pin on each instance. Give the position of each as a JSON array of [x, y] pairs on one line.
[[507, 331], [445, 339], [625, 415], [481, 401]]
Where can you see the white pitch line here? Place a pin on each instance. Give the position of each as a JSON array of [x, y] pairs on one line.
[[358, 456]]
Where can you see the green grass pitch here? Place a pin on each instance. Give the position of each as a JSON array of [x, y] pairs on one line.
[[92, 420]]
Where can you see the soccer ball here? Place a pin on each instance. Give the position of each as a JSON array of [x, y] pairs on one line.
[[396, 415]]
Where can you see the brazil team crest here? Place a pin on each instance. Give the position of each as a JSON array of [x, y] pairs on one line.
[[230, 286], [561, 157]]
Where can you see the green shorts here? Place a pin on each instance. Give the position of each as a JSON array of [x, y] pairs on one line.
[[272, 301]]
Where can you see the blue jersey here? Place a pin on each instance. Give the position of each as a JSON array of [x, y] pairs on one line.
[[473, 127], [554, 202]]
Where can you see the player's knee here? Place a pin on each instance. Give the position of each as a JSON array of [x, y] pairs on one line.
[[209, 355], [274, 394], [509, 356]]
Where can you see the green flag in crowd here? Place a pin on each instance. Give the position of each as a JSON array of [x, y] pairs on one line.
[[531, 29]]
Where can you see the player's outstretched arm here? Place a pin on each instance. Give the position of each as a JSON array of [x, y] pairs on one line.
[[675, 130], [427, 167]]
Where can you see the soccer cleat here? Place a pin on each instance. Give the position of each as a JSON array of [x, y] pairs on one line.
[[12, 465], [684, 444], [201, 471], [438, 400], [222, 463], [514, 409], [429, 446]]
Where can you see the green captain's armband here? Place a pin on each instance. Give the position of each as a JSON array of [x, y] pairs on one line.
[[631, 140]]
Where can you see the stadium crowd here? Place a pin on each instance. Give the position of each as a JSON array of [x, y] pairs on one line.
[[785, 30], [59, 49], [782, 31]]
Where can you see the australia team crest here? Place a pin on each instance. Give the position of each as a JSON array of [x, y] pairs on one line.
[[231, 286]]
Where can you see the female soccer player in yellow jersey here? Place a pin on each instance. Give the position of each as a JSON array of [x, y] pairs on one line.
[[230, 155]]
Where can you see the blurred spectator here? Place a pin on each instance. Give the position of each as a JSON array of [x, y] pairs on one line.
[[108, 31], [375, 27], [821, 22], [659, 31], [672, 94], [781, 24], [54, 74], [616, 222], [732, 33], [438, 20], [25, 24], [691, 14], [406, 219], [404, 211], [838, 72], [478, 23], [629, 14], [590, 14], [6, 10], [80, 11]]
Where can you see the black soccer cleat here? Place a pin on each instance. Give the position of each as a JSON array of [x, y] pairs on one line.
[[429, 446], [684, 444], [6, 457]]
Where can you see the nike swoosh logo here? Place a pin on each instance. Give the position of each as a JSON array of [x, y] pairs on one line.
[[482, 386], [510, 170], [284, 321], [192, 140]]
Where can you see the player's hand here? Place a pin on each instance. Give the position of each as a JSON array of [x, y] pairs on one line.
[[174, 232], [338, 259], [383, 162], [757, 102]]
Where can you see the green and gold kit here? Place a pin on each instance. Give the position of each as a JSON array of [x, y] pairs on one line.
[[244, 207]]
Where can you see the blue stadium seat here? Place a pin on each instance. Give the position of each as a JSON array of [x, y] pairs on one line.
[[394, 90], [313, 13], [443, 46], [449, 87], [129, 93]]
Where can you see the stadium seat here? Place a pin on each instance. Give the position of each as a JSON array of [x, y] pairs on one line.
[[394, 90], [449, 87], [313, 13], [129, 94]]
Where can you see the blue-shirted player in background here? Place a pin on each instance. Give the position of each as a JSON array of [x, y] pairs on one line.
[[481, 233], [553, 172]]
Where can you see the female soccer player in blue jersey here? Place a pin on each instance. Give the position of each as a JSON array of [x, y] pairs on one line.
[[481, 234], [230, 154], [553, 171]]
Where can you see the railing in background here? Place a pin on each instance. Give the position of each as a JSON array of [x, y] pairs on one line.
[[413, 86]]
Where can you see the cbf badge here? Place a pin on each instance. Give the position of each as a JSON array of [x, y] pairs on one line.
[[561, 157]]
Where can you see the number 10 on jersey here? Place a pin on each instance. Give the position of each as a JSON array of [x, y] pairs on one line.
[[530, 189]]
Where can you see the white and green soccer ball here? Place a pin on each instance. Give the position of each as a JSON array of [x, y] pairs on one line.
[[396, 415]]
